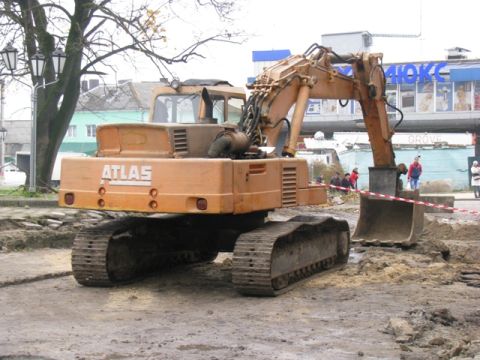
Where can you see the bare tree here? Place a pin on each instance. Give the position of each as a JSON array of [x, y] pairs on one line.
[[92, 33]]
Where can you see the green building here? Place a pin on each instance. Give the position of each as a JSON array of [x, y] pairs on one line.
[[125, 102]]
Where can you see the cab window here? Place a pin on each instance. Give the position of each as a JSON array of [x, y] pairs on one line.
[[235, 107], [218, 108], [176, 108]]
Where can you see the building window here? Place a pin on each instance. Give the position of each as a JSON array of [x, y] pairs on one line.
[[476, 95], [463, 96], [345, 107], [391, 94], [91, 130], [329, 106], [444, 96], [358, 109], [425, 97], [407, 97], [72, 131]]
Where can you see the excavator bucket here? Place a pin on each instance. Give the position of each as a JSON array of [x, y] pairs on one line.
[[385, 222]]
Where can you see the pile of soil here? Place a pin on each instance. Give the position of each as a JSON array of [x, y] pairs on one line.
[[443, 252], [378, 265], [57, 230], [450, 229]]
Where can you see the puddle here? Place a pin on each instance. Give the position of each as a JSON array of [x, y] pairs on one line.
[[354, 257]]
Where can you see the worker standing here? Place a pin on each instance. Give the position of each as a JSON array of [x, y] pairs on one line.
[[414, 173], [354, 178]]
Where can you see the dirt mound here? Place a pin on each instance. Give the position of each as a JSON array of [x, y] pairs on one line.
[[55, 229], [379, 265], [431, 261], [21, 239], [450, 230], [436, 186]]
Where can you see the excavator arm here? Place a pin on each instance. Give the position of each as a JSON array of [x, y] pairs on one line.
[[299, 78], [295, 80]]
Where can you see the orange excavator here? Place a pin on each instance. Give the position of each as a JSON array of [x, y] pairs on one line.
[[204, 172]]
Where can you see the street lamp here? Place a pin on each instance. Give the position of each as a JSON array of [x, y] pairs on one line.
[[9, 56], [58, 58], [38, 62]]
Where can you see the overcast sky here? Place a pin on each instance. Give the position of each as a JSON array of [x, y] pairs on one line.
[[294, 25]]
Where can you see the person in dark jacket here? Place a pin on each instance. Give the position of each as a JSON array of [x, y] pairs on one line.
[[335, 180], [346, 183]]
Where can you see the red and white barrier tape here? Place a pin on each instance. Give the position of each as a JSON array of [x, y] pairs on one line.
[[411, 201]]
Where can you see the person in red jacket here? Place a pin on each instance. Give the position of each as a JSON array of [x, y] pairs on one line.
[[354, 178], [414, 172]]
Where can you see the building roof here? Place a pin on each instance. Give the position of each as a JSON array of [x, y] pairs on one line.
[[459, 49], [124, 96], [205, 82], [348, 33]]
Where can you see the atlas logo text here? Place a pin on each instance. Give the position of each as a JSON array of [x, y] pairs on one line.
[[132, 175]]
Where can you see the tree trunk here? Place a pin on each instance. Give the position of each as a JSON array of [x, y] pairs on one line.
[[52, 124], [52, 120]]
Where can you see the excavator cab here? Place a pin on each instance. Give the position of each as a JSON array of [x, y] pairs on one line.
[[197, 101]]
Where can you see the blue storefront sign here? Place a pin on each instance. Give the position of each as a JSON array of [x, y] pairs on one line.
[[408, 73]]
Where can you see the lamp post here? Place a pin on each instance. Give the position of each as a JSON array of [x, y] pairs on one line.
[[9, 55], [3, 131], [38, 62]]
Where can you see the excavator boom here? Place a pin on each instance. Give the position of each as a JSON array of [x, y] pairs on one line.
[[298, 78]]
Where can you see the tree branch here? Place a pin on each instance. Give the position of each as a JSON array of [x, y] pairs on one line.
[[53, 5]]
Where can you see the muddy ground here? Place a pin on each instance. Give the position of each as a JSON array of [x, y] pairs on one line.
[[420, 303]]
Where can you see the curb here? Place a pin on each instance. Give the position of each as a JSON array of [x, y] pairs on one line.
[[40, 203]]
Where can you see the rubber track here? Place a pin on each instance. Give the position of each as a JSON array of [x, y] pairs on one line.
[[89, 253], [251, 273]]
